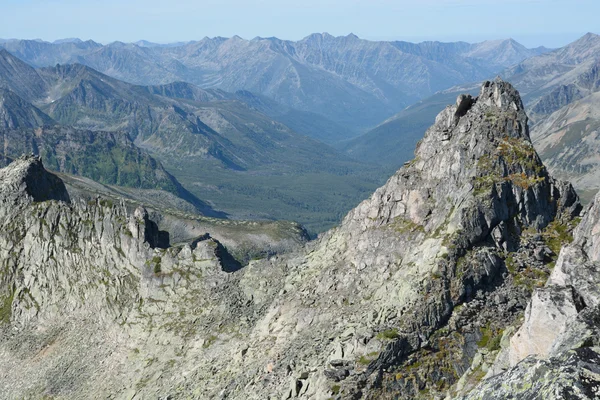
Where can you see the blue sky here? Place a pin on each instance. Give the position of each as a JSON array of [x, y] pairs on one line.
[[551, 23]]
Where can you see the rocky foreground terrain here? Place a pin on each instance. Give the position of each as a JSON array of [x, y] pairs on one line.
[[436, 286]]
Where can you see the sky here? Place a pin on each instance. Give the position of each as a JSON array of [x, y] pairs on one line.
[[552, 23]]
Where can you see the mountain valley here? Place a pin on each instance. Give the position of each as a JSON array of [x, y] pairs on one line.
[[222, 150]]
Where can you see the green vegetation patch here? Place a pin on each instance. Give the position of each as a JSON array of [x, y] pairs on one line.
[[490, 338], [209, 341], [368, 358], [406, 226], [155, 263], [6, 308], [389, 334], [557, 234], [524, 167]]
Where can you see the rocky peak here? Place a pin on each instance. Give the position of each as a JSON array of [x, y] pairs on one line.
[[478, 146], [25, 180], [434, 237]]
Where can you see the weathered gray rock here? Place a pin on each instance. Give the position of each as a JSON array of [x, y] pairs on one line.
[[370, 309], [555, 353]]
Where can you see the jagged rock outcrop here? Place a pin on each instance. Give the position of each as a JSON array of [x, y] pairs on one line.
[[91, 294], [27, 180], [555, 354], [391, 304]]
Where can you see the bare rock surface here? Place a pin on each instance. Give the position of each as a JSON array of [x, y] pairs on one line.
[[398, 302], [555, 353]]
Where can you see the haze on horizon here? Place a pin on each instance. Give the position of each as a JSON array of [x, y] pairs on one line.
[[551, 23]]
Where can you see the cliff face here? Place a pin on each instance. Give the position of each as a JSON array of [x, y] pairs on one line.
[[397, 301], [556, 349]]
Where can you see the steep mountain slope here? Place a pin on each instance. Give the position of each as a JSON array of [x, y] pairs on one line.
[[568, 141], [344, 317], [17, 113], [586, 83], [353, 82], [20, 78]]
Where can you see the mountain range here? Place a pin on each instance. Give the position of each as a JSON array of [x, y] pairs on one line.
[[353, 82], [139, 183], [548, 81]]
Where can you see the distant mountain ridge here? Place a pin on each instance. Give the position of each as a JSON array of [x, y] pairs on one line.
[[538, 76], [353, 82]]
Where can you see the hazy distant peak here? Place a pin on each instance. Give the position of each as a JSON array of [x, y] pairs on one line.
[[145, 43], [585, 48], [318, 36], [586, 39], [590, 35], [68, 40], [118, 43], [505, 43]]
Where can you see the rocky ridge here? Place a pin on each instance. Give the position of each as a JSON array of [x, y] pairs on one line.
[[99, 263], [396, 302]]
